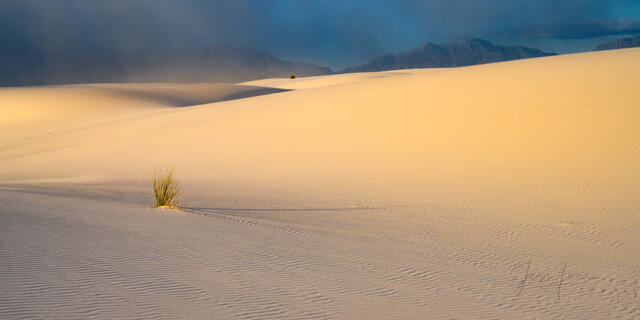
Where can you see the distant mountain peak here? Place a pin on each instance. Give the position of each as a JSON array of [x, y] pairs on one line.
[[477, 41], [463, 53]]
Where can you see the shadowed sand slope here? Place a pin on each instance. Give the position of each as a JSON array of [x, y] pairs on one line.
[[31, 111], [507, 190]]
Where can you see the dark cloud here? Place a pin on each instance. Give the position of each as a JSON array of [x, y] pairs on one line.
[[338, 33]]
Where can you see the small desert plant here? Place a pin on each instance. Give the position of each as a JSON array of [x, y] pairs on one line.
[[293, 76], [165, 189]]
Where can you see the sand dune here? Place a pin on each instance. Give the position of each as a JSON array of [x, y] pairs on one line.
[[532, 122], [404, 194]]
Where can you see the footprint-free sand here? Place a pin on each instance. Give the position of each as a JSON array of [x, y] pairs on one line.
[[507, 190]]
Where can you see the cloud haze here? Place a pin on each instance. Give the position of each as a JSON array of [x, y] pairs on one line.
[[330, 32]]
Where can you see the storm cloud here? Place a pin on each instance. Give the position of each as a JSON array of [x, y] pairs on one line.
[[328, 32]]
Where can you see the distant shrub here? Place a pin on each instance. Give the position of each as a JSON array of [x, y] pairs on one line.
[[292, 76], [165, 189]]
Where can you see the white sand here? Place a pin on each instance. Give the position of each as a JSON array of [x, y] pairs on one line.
[[404, 194]]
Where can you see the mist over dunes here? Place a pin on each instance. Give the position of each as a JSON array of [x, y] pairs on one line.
[[210, 64], [224, 64]]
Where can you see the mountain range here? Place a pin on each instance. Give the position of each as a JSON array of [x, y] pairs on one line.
[[225, 64], [466, 53]]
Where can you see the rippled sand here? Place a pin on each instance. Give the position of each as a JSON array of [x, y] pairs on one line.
[[507, 190]]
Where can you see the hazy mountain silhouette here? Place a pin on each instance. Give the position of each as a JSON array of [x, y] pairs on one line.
[[466, 53], [631, 42], [23, 66]]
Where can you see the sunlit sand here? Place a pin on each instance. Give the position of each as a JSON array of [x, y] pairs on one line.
[[505, 190]]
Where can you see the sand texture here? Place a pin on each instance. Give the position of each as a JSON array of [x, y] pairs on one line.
[[500, 191]]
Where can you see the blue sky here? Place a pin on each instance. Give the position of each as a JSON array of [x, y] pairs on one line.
[[336, 33]]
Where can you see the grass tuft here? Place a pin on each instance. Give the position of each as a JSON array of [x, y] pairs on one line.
[[165, 189]]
